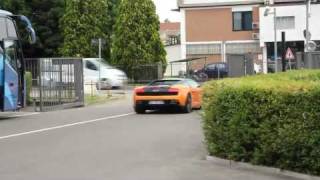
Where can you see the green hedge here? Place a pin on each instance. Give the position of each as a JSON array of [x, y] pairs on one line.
[[271, 120]]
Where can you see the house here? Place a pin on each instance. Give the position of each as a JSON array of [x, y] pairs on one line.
[[216, 28], [170, 36]]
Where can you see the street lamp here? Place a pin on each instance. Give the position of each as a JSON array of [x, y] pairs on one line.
[[266, 13]]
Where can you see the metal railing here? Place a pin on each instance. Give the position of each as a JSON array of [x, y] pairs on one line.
[[57, 83]]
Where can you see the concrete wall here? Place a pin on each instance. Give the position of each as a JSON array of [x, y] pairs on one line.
[[174, 54]]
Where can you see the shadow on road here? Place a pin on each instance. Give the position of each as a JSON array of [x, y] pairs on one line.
[[166, 111]]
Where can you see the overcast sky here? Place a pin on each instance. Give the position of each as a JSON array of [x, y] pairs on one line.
[[164, 8]]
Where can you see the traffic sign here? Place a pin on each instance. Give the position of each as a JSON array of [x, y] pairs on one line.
[[289, 54]]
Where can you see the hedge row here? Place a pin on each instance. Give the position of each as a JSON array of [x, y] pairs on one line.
[[271, 120]]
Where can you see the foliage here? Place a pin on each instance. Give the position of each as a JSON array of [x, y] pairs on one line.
[[268, 120], [28, 78], [83, 21], [136, 40], [45, 16]]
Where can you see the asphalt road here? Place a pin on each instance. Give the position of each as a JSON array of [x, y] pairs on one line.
[[109, 142]]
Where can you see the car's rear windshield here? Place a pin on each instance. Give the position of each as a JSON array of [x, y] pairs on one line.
[[164, 83]]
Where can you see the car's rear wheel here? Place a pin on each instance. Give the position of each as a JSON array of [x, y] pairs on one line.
[[188, 106], [139, 109]]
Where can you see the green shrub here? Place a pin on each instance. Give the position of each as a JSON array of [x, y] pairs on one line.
[[271, 120], [28, 78]]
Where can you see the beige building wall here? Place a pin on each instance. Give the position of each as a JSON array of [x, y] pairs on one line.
[[214, 25]]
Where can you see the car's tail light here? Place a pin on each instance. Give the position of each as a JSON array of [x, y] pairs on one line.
[[173, 90], [139, 90]]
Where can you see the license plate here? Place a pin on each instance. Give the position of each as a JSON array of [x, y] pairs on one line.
[[156, 102]]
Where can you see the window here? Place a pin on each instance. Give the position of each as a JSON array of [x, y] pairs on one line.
[[11, 53], [242, 48], [91, 66], [11, 29], [3, 30], [203, 49], [212, 66], [164, 82], [193, 84], [286, 22], [242, 21]]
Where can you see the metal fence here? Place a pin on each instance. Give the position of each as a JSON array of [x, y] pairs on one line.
[[309, 60], [57, 83]]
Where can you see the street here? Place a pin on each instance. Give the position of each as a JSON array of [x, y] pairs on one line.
[[109, 142]]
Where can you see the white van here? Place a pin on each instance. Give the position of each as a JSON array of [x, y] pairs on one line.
[[111, 77]]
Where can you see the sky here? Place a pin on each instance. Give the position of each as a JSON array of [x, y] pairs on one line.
[[164, 8]]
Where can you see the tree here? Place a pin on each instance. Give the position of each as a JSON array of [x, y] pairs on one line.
[[45, 16], [83, 21], [136, 38], [112, 13]]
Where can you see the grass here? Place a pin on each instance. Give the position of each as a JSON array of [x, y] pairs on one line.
[[98, 99]]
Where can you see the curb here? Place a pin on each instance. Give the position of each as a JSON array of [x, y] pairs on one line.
[[262, 169]]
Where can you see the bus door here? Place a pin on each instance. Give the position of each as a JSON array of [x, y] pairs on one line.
[[11, 76]]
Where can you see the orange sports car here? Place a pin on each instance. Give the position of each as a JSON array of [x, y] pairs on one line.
[[185, 94]]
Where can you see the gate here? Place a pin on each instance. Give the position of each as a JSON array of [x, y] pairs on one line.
[[57, 83], [240, 65], [309, 60]]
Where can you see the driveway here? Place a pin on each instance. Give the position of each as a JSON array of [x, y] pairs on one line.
[[109, 142]]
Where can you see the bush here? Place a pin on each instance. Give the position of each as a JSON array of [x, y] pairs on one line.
[[271, 120], [28, 78]]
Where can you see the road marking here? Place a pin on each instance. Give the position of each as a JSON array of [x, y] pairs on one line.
[[64, 126]]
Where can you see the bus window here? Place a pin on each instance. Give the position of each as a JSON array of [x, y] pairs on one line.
[[3, 30], [11, 29], [11, 53], [1, 69]]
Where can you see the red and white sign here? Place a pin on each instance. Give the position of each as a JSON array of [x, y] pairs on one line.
[[289, 54]]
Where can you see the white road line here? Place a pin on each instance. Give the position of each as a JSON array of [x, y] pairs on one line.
[[64, 126]]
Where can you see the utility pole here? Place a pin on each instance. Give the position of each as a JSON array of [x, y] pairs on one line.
[[275, 39], [307, 24], [283, 51], [100, 48]]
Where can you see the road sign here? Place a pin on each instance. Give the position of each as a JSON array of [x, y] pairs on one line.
[[311, 46], [96, 42], [289, 54], [306, 35]]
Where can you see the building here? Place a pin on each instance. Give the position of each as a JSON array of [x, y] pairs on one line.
[[170, 36], [170, 33], [215, 28], [291, 19]]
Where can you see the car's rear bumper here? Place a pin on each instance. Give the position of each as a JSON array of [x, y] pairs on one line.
[[177, 100], [145, 104]]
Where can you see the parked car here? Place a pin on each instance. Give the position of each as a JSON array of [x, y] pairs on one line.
[[212, 71], [110, 77]]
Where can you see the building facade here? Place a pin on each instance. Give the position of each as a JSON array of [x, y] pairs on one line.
[[290, 19], [170, 36], [216, 28]]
